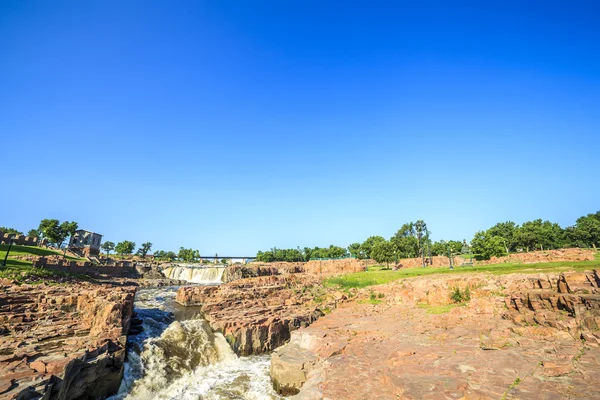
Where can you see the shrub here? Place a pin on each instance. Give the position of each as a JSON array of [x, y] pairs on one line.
[[459, 296]]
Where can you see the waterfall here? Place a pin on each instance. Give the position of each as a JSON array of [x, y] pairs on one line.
[[195, 274], [186, 360]]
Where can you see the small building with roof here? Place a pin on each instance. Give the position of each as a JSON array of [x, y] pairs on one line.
[[86, 242]]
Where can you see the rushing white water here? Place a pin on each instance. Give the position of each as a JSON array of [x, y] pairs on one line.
[[178, 356], [195, 274]]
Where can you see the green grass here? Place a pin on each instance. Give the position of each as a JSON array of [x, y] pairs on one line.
[[378, 276], [21, 270], [17, 250], [429, 309], [370, 301]]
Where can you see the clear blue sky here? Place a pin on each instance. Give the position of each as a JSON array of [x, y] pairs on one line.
[[233, 126]]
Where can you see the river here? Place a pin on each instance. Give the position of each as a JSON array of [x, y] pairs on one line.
[[178, 356]]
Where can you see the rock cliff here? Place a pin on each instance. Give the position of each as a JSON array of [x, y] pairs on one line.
[[256, 315], [63, 341]]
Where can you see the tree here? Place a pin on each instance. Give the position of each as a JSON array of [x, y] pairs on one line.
[[142, 251], [33, 233], [224, 261], [586, 231], [165, 255], [383, 252], [354, 250], [368, 245], [125, 247], [508, 232], [189, 255], [10, 231], [108, 247], [540, 234], [441, 249], [57, 232], [486, 246]]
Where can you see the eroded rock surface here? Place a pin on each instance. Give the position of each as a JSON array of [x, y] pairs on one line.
[[63, 341], [416, 344], [256, 315]]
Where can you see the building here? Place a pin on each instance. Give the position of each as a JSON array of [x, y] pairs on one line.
[[86, 242]]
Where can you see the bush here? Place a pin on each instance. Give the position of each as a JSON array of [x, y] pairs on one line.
[[459, 296]]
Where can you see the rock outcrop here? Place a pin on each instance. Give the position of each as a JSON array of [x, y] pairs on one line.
[[334, 267], [570, 303], [256, 315], [413, 342], [63, 341], [241, 271]]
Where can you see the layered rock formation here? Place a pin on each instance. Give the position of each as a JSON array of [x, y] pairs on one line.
[[332, 267], [570, 303], [240, 271], [63, 341], [417, 344], [256, 315]]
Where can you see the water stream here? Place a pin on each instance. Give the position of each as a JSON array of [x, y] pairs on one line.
[[178, 356]]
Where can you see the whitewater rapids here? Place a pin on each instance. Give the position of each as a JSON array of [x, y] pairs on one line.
[[178, 356]]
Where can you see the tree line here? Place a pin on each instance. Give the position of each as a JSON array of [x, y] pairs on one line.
[[297, 254], [413, 239]]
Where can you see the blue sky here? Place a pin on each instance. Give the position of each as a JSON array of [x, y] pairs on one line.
[[234, 126]]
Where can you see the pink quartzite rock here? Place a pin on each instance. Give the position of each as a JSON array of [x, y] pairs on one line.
[[63, 342]]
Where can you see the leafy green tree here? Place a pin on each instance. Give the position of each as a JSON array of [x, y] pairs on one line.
[[189, 255], [540, 234], [108, 247], [125, 247], [368, 245], [224, 261], [508, 232], [486, 246], [586, 231], [441, 249], [355, 250], [383, 252], [10, 231], [57, 232], [165, 255], [143, 251], [33, 233]]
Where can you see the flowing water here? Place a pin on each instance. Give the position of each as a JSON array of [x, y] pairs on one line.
[[195, 273], [178, 356]]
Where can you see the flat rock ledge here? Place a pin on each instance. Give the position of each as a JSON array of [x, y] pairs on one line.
[[519, 337], [257, 315], [63, 341]]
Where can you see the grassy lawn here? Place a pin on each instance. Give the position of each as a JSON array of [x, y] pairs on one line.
[[378, 276], [16, 250], [21, 269]]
